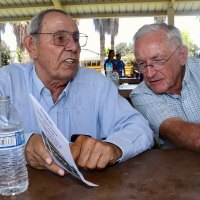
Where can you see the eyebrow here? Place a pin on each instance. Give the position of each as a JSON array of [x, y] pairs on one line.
[[152, 58]]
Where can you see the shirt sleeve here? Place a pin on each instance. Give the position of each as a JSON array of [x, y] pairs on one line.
[[122, 125]]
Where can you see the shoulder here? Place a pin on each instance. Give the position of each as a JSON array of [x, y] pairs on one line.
[[92, 81], [18, 68], [89, 75], [15, 73], [142, 95], [14, 78], [193, 63], [142, 88], [192, 68]]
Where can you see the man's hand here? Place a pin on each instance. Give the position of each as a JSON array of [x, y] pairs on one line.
[[38, 157], [90, 153]]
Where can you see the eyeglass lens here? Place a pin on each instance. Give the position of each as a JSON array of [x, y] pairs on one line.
[[62, 38]]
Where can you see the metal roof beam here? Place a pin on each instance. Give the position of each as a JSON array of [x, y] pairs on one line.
[[22, 6], [57, 4]]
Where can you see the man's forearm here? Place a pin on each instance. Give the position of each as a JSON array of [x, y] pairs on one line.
[[183, 134]]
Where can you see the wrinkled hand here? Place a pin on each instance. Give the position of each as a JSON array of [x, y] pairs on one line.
[[90, 153], [38, 157]]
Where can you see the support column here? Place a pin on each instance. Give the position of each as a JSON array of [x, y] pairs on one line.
[[57, 4], [170, 14]]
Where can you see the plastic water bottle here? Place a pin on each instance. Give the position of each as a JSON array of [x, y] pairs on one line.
[[115, 78], [13, 170], [109, 69]]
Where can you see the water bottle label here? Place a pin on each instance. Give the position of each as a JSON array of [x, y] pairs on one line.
[[12, 139]]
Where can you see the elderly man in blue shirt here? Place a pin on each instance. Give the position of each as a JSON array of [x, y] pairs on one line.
[[84, 104], [169, 95]]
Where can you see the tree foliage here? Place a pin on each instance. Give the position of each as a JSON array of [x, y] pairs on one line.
[[106, 26], [126, 52], [20, 29], [5, 54], [114, 27], [2, 30], [101, 26], [194, 50]]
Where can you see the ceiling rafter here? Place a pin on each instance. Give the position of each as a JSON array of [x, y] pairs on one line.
[[57, 4], [98, 9]]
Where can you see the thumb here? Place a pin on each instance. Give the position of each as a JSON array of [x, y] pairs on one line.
[[75, 150]]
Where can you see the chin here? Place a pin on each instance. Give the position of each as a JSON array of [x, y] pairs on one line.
[[159, 90], [70, 73], [156, 89]]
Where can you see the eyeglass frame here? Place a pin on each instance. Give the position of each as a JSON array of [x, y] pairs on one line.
[[72, 34], [159, 63]]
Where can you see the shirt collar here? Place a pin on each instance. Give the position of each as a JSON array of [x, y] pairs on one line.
[[39, 85]]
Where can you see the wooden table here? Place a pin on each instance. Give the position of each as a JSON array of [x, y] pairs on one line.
[[130, 80], [124, 90], [153, 175]]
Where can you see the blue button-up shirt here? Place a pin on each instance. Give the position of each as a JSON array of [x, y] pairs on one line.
[[157, 108], [89, 105]]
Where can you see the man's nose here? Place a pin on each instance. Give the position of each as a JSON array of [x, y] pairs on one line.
[[150, 71], [72, 44]]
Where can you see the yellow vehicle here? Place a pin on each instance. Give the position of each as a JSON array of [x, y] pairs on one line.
[[95, 64], [92, 64]]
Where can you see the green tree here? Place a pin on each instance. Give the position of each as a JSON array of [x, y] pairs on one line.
[[159, 19], [193, 48], [20, 29], [102, 26], [114, 27], [5, 54], [126, 52], [196, 51], [2, 30], [121, 48]]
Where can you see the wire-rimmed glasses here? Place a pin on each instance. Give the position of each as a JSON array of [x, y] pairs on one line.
[[156, 63], [62, 38]]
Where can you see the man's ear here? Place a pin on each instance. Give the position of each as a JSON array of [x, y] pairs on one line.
[[31, 46], [183, 54]]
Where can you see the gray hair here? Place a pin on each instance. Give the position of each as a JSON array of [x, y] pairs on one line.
[[35, 24], [172, 33]]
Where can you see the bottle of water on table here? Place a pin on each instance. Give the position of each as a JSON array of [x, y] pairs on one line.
[[115, 78], [109, 69], [13, 170]]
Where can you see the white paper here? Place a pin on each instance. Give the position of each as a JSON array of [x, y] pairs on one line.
[[56, 143]]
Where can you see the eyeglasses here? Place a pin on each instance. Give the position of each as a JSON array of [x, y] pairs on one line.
[[156, 64], [62, 38]]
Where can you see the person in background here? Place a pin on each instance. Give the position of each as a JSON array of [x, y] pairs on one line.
[[110, 59], [120, 65], [169, 95], [85, 105]]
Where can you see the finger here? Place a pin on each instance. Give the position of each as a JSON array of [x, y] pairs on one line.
[[42, 165], [38, 157], [103, 160], [86, 145], [75, 150], [56, 169], [35, 150], [49, 164], [34, 160], [84, 155], [110, 153], [95, 155]]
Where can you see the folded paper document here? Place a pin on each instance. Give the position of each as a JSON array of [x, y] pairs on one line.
[[56, 143]]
